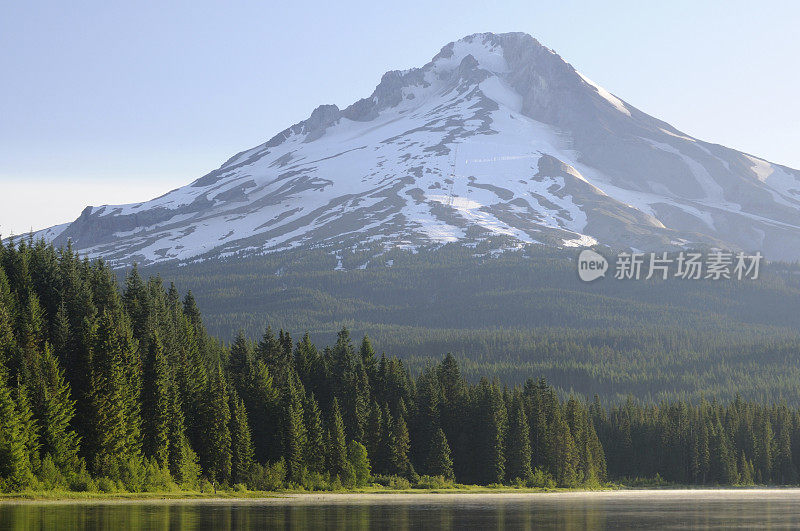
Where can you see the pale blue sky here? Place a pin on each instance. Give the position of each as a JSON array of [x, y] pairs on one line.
[[108, 102]]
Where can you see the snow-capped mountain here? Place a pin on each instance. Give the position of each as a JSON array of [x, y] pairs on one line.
[[497, 135]]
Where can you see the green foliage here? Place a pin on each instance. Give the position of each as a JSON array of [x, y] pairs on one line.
[[358, 460], [393, 482], [127, 387], [336, 446], [434, 482], [440, 464], [241, 442], [15, 466]]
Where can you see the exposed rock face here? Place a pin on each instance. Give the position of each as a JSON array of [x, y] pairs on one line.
[[496, 135]]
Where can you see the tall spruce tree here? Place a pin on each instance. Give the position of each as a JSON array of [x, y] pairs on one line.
[[399, 446], [217, 453], [439, 461], [315, 435], [15, 467], [337, 448], [156, 401], [58, 439], [518, 463], [241, 442], [294, 430]]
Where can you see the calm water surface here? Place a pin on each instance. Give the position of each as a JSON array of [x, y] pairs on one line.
[[614, 510]]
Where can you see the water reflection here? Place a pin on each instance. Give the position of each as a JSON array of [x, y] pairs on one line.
[[606, 511]]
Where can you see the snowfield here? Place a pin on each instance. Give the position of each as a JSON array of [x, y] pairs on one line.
[[496, 136]]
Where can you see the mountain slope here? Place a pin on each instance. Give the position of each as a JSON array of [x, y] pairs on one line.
[[496, 136]]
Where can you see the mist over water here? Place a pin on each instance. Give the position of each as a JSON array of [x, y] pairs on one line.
[[710, 509]]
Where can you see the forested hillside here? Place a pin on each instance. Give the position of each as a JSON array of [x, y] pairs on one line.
[[523, 314], [108, 388]]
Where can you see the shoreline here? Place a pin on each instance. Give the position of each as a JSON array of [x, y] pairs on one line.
[[405, 497]]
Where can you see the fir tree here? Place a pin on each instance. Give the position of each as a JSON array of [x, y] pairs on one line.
[[217, 455], [337, 449], [29, 428], [156, 401], [241, 442], [439, 462], [15, 466], [519, 445], [399, 446], [59, 440], [315, 434], [294, 431]]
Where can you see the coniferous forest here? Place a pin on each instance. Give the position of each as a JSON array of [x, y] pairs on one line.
[[107, 387]]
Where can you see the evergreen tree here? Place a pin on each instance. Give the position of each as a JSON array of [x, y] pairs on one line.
[[368, 358], [294, 431], [110, 400], [337, 449], [374, 437], [315, 434], [519, 445], [29, 428], [399, 445], [183, 461], [15, 466], [241, 442], [156, 401], [217, 456], [439, 461], [271, 352], [59, 440]]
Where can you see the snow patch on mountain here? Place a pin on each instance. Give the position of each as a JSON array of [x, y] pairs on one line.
[[496, 137]]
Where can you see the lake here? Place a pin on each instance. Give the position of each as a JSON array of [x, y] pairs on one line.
[[674, 509]]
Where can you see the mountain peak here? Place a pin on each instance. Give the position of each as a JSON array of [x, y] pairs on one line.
[[497, 138]]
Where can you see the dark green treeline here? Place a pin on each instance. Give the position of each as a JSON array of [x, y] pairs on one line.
[[102, 388]]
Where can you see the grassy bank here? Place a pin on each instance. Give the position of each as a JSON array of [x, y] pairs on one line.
[[231, 494]]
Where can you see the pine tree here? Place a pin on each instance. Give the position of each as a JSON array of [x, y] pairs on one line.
[[29, 428], [59, 440], [294, 431], [183, 461], [112, 444], [315, 433], [262, 401], [746, 468], [217, 456], [439, 462], [337, 449], [241, 442], [399, 446], [305, 356], [374, 437], [519, 445], [270, 351], [192, 379], [190, 309], [561, 446], [15, 465], [368, 358], [764, 453], [137, 303], [784, 469], [156, 400], [240, 362]]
